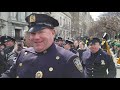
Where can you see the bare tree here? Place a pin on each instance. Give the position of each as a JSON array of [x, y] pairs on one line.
[[108, 22]]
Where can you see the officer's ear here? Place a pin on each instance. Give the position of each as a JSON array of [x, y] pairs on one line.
[[53, 32]]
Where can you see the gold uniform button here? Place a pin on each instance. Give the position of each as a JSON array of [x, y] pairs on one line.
[[39, 74], [57, 57], [17, 77], [20, 64], [51, 69]]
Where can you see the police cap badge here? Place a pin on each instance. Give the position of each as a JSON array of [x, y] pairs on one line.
[[32, 18], [38, 22]]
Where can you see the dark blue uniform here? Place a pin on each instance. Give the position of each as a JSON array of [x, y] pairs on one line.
[[6, 55], [97, 64], [73, 50], [56, 62]]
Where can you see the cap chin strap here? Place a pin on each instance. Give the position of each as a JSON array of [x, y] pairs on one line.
[[47, 24]]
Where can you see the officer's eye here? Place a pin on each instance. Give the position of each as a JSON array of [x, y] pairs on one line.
[[33, 33]]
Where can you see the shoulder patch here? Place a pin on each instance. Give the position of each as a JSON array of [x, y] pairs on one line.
[[78, 64]]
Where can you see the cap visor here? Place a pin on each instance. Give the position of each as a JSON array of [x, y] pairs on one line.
[[36, 28]]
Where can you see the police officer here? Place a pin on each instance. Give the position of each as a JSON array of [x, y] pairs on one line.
[[3, 63], [2, 46], [69, 45], [44, 59], [98, 62], [59, 41], [9, 50]]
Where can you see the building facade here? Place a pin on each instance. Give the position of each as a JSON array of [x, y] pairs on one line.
[[13, 23], [85, 23], [71, 24], [64, 29]]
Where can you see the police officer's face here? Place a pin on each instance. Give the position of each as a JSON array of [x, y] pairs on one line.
[[9, 43], [2, 47], [42, 39], [94, 47], [60, 43], [67, 46]]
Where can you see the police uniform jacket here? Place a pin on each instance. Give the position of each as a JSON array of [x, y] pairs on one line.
[[10, 56], [73, 50], [97, 64], [3, 63], [56, 62]]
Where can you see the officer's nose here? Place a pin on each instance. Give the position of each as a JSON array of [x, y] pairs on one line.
[[37, 36]]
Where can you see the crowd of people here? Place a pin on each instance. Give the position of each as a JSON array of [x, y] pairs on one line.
[[42, 55]]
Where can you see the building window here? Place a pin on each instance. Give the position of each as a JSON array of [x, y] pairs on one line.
[[60, 21], [13, 15], [19, 16]]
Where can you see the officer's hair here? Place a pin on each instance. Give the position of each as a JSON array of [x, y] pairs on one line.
[[27, 34]]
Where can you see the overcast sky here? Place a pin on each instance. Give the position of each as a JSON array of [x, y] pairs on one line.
[[95, 14]]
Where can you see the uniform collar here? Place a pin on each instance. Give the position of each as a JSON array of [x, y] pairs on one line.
[[48, 50], [95, 54]]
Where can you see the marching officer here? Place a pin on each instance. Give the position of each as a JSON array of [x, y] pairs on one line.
[[98, 62], [59, 41], [69, 45], [3, 63], [9, 50], [44, 59]]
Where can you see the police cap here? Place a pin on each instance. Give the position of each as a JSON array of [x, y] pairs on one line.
[[94, 40], [38, 22], [69, 41], [1, 41], [60, 39], [7, 38]]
